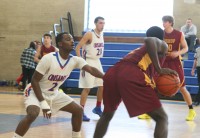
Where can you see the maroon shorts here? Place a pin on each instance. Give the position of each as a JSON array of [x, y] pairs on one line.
[[126, 82], [178, 67]]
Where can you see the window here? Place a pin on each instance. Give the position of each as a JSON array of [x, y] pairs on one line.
[[128, 15]]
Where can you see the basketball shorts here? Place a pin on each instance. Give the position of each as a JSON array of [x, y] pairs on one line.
[[56, 102], [86, 80], [128, 83], [178, 67]]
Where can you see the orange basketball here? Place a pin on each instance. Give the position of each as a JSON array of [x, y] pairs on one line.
[[168, 85]]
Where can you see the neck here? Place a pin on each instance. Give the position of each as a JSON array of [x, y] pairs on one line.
[[97, 32], [169, 30], [64, 55], [47, 45]]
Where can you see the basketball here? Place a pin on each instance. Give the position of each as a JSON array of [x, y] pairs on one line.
[[167, 85]]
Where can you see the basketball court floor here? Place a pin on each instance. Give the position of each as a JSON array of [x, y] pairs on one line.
[[59, 126]]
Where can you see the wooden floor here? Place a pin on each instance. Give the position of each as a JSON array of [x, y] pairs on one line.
[[12, 110]]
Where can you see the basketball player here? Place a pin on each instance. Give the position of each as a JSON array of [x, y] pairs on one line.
[[130, 80], [45, 48], [176, 47], [53, 69], [92, 45]]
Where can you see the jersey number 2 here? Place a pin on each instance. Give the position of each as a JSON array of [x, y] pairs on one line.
[[55, 84]]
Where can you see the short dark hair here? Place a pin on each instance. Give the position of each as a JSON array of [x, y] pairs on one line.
[[97, 19], [59, 37], [47, 35], [168, 18], [32, 45], [155, 31]]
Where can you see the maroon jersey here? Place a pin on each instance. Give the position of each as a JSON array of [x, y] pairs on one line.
[[45, 50], [141, 58], [173, 40]]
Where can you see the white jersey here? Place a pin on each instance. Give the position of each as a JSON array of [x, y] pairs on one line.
[[56, 70], [95, 49]]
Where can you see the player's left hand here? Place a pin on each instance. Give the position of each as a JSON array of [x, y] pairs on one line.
[[45, 109], [46, 113], [173, 54]]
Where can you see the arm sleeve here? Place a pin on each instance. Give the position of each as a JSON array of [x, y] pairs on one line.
[[80, 62], [44, 64], [183, 29], [193, 30]]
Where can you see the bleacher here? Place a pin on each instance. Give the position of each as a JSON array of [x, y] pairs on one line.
[[115, 51], [191, 81]]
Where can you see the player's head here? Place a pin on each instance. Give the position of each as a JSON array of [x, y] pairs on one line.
[[65, 42], [168, 21], [99, 23], [155, 31], [47, 39]]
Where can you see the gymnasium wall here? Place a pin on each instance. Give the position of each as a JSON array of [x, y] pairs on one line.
[[182, 11], [22, 21]]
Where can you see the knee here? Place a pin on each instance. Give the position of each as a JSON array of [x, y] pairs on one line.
[[107, 116], [162, 117], [78, 111], [31, 116], [86, 90]]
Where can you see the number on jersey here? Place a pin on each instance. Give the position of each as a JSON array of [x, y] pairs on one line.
[[55, 84], [99, 51]]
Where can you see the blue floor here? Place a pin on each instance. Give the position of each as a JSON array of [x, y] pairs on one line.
[[9, 121]]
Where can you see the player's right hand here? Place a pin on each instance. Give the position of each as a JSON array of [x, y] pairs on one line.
[[168, 71]]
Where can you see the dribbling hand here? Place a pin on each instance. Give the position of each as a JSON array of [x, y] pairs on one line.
[[168, 71]]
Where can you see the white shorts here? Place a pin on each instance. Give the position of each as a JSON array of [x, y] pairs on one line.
[[59, 100], [86, 80]]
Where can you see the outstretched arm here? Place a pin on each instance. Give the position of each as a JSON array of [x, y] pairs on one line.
[[93, 71]]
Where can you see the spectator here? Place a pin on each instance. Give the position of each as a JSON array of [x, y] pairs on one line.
[[28, 64], [190, 32], [196, 66], [45, 48]]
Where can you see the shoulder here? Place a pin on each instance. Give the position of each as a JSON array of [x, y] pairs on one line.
[[88, 34], [48, 56], [198, 49], [76, 58], [194, 26], [177, 32]]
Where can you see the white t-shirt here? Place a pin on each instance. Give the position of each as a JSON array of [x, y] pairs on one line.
[[56, 70], [95, 49], [197, 56]]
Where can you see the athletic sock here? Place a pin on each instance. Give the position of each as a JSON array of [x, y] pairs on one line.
[[98, 104], [76, 134], [16, 136], [190, 106]]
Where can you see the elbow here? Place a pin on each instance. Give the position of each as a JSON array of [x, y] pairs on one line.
[[186, 49]]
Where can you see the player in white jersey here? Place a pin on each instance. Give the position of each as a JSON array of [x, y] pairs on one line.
[[53, 69], [92, 45]]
